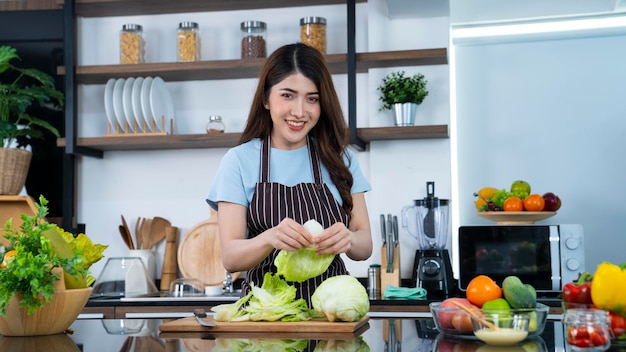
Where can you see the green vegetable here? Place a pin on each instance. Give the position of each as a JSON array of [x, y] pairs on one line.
[[303, 264], [517, 294], [259, 345], [273, 301], [354, 345], [30, 274], [341, 297]]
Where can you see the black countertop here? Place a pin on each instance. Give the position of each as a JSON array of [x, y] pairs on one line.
[[380, 335]]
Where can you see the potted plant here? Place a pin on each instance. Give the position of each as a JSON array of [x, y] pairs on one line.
[[20, 89], [402, 94], [44, 276]]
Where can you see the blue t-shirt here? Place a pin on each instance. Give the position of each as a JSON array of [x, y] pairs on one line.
[[239, 171]]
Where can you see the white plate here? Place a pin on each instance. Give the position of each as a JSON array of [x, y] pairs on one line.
[[136, 102], [118, 95], [108, 102], [161, 101], [145, 100], [127, 103]]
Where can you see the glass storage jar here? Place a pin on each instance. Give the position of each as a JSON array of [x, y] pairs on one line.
[[131, 44], [188, 43], [313, 32], [253, 43], [587, 329], [215, 125]]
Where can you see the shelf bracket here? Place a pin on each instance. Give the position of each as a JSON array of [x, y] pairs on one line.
[[352, 124]]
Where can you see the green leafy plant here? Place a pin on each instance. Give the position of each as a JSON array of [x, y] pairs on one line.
[[29, 272], [398, 88], [21, 88]]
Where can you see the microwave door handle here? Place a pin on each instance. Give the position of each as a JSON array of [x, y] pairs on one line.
[[555, 259]]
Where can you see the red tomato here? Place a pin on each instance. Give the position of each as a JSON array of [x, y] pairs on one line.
[[618, 324]]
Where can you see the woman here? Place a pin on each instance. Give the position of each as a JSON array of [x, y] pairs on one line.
[[291, 165]]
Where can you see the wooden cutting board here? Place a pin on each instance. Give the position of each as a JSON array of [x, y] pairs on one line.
[[190, 324], [200, 255]]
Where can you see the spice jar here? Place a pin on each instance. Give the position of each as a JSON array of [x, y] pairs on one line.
[[188, 42], [215, 125], [587, 329], [253, 42], [373, 281], [313, 32], [131, 44]]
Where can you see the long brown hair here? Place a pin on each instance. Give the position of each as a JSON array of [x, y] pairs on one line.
[[330, 131]]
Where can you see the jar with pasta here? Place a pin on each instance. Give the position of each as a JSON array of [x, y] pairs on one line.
[[313, 32], [253, 42], [188, 42], [131, 44]]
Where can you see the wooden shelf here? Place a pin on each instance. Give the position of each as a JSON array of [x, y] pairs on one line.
[[250, 68], [228, 140], [106, 8]]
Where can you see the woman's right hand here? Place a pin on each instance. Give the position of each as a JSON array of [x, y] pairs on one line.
[[290, 235]]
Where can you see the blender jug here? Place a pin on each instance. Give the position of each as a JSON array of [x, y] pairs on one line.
[[427, 220]]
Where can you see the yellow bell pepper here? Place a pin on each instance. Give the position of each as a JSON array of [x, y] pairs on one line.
[[608, 287]]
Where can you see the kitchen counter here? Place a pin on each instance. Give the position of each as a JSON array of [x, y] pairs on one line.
[[409, 334], [164, 308]]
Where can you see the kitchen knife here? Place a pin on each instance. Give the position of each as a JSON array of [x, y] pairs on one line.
[[383, 228], [202, 318], [390, 244], [396, 239]]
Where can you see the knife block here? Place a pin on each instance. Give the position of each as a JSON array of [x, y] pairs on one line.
[[169, 272], [389, 278]]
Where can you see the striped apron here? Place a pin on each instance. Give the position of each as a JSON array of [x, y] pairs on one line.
[[272, 202]]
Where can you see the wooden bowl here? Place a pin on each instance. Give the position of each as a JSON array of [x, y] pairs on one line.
[[53, 318]]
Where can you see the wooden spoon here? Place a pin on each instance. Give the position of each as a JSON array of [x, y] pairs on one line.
[[146, 228], [138, 233], [131, 244], [475, 315], [157, 230], [126, 237]]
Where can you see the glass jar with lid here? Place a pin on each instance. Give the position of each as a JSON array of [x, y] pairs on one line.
[[131, 44], [215, 125], [253, 43], [313, 32], [188, 43]]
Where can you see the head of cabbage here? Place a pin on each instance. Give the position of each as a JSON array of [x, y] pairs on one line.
[[303, 264], [342, 298]]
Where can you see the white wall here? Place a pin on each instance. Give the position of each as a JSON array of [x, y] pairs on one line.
[[173, 183]]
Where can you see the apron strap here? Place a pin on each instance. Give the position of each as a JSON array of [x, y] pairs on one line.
[[264, 175]]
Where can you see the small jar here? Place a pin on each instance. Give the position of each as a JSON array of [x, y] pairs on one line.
[[253, 43], [215, 125], [373, 281], [188, 43], [131, 44], [313, 32], [587, 329]]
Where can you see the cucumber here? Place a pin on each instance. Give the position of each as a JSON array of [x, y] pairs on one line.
[[518, 295]]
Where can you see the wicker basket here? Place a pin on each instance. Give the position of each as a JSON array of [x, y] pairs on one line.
[[14, 164]]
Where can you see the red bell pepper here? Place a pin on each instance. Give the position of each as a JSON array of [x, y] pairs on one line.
[[579, 291]]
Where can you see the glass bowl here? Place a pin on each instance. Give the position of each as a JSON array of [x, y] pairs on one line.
[[501, 328], [186, 288]]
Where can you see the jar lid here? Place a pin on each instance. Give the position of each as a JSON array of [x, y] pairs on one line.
[[253, 24], [312, 20], [187, 24], [215, 118], [132, 27]]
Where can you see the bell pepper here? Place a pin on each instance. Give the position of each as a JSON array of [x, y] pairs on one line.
[[608, 287], [579, 291]]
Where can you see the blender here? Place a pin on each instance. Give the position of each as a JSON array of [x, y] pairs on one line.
[[427, 221]]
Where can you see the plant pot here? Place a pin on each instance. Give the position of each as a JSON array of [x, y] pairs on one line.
[[404, 114], [54, 317], [14, 164]]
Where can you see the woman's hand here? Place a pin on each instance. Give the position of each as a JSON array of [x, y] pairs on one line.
[[291, 236], [334, 240]]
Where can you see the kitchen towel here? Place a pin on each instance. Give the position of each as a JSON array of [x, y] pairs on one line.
[[415, 293]]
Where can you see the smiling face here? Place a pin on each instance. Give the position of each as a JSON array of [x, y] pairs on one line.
[[295, 109]]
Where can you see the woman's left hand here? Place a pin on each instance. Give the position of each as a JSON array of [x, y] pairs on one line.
[[335, 239]]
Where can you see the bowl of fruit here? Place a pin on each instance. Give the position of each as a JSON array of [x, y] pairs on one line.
[[484, 297], [517, 205]]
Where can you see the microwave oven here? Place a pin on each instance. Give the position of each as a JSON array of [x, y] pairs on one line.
[[545, 256]]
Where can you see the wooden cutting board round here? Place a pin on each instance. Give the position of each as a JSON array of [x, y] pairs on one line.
[[200, 255]]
